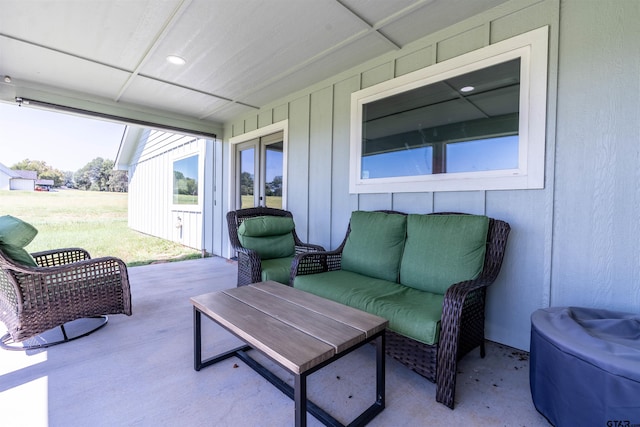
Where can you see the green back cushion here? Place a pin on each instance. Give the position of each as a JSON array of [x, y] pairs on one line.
[[270, 236], [374, 245], [442, 250], [15, 234]]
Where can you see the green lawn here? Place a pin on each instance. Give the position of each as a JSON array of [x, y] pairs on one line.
[[95, 221], [272, 201]]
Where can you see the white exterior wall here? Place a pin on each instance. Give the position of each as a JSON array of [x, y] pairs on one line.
[[23, 184], [575, 242], [5, 181], [151, 209]]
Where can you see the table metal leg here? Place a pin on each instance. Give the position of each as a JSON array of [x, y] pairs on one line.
[[197, 339], [380, 371], [198, 363], [300, 392]]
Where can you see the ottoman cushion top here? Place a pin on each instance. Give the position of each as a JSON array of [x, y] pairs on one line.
[[608, 339]]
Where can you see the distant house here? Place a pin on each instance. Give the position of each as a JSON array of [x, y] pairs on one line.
[[22, 180]]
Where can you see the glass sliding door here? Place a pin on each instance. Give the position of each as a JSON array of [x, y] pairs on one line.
[[247, 156], [260, 176], [273, 174]]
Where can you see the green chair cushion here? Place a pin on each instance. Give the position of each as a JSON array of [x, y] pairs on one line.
[[262, 226], [277, 269], [19, 255], [374, 245], [346, 287], [442, 250], [15, 234], [270, 236], [411, 312]]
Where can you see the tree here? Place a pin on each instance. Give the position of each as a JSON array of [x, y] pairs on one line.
[[275, 186], [82, 179], [98, 175], [53, 174], [68, 180], [119, 181], [246, 183], [43, 170]]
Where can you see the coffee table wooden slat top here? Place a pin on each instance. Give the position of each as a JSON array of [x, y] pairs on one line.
[[265, 333], [369, 323], [335, 333]]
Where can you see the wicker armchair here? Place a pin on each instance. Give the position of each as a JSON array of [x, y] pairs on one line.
[[462, 320], [249, 262], [66, 286]]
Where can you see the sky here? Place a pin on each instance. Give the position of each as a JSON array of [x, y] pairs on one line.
[[64, 141]]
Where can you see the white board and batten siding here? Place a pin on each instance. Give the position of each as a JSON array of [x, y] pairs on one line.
[[151, 208], [319, 149]]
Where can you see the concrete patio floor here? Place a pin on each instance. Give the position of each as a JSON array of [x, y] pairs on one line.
[[138, 371]]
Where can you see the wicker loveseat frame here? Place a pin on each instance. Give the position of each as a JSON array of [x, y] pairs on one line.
[[249, 262], [462, 320], [67, 285]]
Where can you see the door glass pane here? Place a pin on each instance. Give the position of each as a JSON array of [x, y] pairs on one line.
[[273, 175], [247, 168]]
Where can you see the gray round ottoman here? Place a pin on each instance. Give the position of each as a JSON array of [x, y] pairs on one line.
[[585, 366]]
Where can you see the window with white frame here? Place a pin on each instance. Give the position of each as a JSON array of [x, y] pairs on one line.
[[475, 122], [186, 181]]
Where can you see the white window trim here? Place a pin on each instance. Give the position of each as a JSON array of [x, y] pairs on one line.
[[532, 48], [200, 152], [281, 126]]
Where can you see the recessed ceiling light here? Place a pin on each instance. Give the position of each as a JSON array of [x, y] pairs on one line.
[[467, 89], [176, 60]]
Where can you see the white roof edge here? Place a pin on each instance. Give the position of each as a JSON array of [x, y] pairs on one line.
[[128, 146]]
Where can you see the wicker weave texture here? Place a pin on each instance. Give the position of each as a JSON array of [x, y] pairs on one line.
[[67, 285], [249, 263], [463, 313]]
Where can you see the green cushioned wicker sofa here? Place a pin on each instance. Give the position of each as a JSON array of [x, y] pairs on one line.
[[426, 273]]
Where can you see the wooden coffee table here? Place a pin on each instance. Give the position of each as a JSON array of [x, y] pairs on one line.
[[300, 331]]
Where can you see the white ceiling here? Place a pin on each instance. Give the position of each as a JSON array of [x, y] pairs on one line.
[[241, 54]]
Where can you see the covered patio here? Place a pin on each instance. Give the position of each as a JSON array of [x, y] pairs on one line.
[[299, 74], [138, 371]]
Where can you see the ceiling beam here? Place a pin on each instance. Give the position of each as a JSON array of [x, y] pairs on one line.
[[371, 28], [63, 52], [401, 13], [171, 20]]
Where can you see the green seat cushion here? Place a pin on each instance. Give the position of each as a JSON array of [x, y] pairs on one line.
[[411, 312], [270, 236], [374, 245], [15, 234], [277, 269], [442, 250], [346, 287]]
